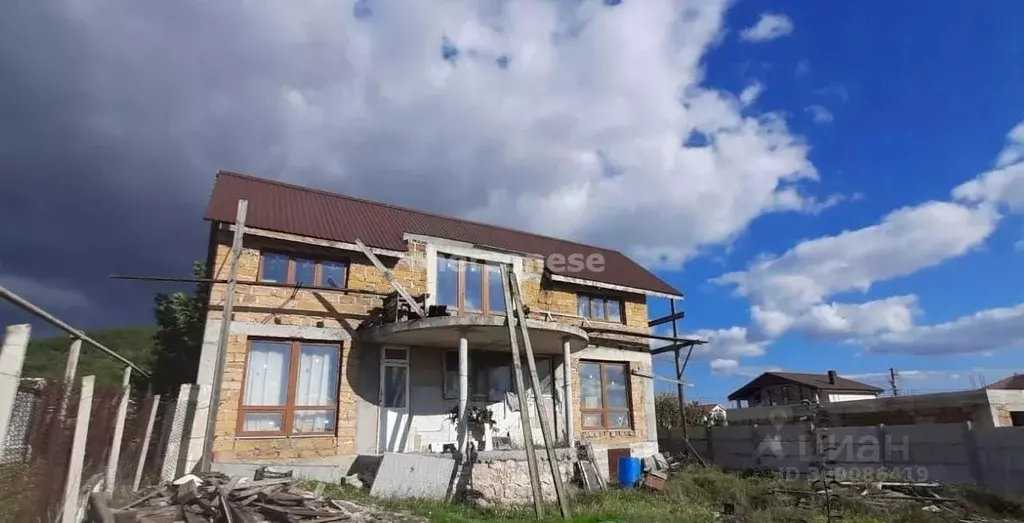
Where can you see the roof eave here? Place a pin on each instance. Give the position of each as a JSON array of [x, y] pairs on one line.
[[613, 287]]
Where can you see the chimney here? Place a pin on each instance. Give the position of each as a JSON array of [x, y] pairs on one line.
[[831, 377]]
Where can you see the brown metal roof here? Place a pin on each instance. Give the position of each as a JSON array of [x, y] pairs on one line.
[[814, 381], [292, 209], [1014, 382]]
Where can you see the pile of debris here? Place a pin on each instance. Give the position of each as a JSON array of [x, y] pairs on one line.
[[213, 496], [657, 467]]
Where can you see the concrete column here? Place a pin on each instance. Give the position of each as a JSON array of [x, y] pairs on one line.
[[115, 445], [12, 355], [567, 390], [463, 392]]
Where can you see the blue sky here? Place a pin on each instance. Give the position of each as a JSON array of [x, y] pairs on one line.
[[833, 185], [920, 100]]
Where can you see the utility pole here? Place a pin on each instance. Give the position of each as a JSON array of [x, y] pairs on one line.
[[892, 381]]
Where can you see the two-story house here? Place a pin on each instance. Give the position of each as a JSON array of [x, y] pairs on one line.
[[315, 372]]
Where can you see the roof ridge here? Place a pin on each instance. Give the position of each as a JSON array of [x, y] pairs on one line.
[[407, 209]]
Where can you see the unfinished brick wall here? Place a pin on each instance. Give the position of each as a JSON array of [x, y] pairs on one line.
[[638, 398], [561, 298], [333, 309]]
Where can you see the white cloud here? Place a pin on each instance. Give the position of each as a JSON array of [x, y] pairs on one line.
[[751, 93], [1005, 183], [368, 106], [727, 343], [1014, 150], [820, 114], [906, 241], [982, 332], [769, 27], [45, 294], [840, 320], [732, 367]]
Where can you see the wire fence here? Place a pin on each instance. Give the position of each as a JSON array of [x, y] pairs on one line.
[[36, 452]]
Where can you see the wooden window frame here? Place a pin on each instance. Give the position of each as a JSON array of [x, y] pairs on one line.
[[318, 271], [460, 284], [289, 408], [604, 411], [607, 316]]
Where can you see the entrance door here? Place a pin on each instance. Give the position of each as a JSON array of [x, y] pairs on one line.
[[394, 400]]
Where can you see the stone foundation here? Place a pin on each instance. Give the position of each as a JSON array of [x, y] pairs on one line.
[[503, 477]]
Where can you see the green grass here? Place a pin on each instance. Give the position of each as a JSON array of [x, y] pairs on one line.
[[690, 497]]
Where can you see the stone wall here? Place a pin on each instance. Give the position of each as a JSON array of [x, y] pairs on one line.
[[506, 480], [267, 307]]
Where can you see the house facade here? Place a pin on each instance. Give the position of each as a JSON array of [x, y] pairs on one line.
[[794, 388], [317, 371]]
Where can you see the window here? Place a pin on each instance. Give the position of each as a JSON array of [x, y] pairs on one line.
[[490, 375], [296, 270], [290, 387], [1017, 419], [604, 395], [470, 286], [785, 394], [599, 308]]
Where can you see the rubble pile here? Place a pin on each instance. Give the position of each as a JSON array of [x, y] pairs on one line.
[[215, 497]]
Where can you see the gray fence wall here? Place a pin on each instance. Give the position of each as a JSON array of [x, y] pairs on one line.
[[992, 457]]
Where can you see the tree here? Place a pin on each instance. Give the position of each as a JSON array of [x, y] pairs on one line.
[[666, 411], [178, 342]]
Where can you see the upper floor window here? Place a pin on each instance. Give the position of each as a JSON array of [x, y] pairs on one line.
[[602, 308], [470, 286], [307, 272]]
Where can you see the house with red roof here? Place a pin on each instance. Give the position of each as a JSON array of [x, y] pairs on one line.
[[325, 361]]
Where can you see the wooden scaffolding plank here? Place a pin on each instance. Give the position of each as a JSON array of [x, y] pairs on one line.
[[545, 427], [391, 279], [524, 412]]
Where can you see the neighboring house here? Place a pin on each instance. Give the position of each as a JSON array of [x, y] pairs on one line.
[[1000, 404], [314, 370], [794, 388], [714, 414]]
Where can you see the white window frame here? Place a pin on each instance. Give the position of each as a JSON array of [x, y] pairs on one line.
[[433, 249]]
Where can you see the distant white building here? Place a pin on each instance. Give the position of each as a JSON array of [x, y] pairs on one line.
[[714, 413]]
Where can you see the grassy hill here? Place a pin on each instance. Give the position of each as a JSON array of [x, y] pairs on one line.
[[46, 357]]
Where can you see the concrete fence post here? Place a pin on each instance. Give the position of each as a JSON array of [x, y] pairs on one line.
[[12, 355], [755, 443], [970, 440], [882, 434], [710, 445], [137, 481], [170, 466], [115, 445], [74, 479]]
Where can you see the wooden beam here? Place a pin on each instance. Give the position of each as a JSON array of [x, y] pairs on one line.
[[660, 378], [538, 397], [665, 319], [225, 333], [391, 279], [524, 411]]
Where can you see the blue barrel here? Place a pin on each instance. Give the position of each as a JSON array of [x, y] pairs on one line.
[[629, 471]]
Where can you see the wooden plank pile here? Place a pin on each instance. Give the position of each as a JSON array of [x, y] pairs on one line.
[[213, 496]]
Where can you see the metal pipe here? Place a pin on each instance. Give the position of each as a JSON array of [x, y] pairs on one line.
[[260, 283], [75, 333]]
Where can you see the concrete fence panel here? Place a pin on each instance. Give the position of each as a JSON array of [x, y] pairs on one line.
[[951, 453]]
